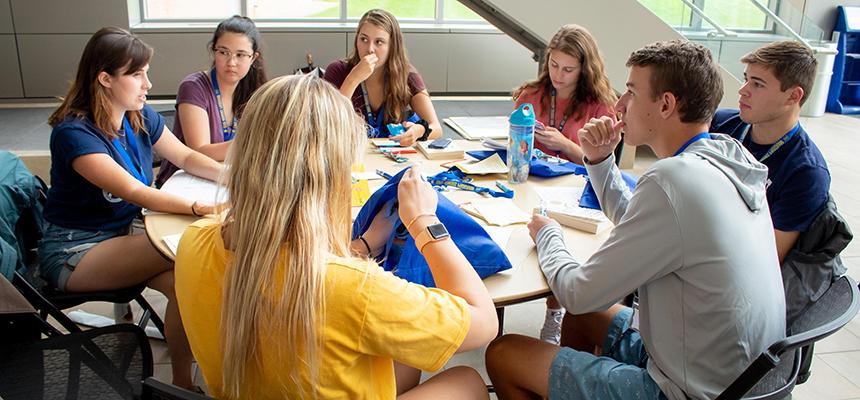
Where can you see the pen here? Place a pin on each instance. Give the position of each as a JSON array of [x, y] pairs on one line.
[[383, 174], [542, 209]]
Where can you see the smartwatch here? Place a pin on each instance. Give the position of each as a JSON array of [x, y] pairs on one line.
[[433, 233]]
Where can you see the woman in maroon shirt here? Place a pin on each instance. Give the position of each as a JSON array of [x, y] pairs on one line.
[[384, 87]]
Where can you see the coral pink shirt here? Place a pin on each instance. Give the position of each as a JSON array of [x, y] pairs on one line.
[[572, 126]]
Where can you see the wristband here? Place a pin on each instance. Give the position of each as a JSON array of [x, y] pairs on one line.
[[367, 246], [427, 129], [409, 225], [193, 211]]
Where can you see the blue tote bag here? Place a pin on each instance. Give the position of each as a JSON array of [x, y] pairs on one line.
[[407, 262]]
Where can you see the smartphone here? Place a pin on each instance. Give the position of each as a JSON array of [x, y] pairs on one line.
[[440, 143]]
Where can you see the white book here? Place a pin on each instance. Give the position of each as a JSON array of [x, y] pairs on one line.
[[451, 152]]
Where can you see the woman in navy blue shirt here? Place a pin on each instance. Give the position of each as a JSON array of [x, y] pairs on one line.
[[101, 170]]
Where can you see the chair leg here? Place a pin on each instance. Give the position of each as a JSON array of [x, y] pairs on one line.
[[805, 364], [149, 313]]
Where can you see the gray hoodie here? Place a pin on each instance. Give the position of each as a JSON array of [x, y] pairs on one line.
[[696, 239]]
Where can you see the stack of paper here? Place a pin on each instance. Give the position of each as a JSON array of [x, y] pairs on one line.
[[451, 152], [490, 165], [496, 211], [195, 188], [474, 128], [172, 242], [562, 204]]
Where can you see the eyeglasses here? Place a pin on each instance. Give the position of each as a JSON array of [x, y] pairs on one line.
[[228, 55]]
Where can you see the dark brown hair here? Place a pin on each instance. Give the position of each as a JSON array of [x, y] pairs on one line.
[[687, 70], [397, 67], [256, 76], [593, 85], [792, 63], [112, 50]]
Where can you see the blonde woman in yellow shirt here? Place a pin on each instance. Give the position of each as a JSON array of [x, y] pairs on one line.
[[277, 302]]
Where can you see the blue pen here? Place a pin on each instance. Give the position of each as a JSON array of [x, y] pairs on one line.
[[383, 174]]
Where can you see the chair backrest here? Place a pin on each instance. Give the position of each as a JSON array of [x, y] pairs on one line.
[[154, 389], [773, 373]]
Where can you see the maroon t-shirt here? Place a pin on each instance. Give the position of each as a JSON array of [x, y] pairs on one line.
[[337, 71], [196, 89]]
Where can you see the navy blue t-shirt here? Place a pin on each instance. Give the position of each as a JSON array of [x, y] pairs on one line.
[[74, 202], [798, 178]]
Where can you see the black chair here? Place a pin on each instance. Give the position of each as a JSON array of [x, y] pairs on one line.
[[774, 373], [101, 363], [154, 389], [50, 301]]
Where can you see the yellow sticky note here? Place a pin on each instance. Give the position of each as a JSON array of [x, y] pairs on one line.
[[360, 193]]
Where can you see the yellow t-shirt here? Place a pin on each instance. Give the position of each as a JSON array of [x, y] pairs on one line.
[[372, 318]]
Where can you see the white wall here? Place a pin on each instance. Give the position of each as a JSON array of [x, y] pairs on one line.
[[46, 38], [619, 26]]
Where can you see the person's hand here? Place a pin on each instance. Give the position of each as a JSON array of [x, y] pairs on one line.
[[416, 197], [552, 139], [200, 208], [537, 223], [365, 67], [380, 228], [410, 135], [599, 137]]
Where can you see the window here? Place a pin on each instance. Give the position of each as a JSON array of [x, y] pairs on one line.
[[188, 9], [738, 15], [413, 11]]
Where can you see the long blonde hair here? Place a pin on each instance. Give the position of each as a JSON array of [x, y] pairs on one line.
[[397, 66], [593, 85], [290, 198]]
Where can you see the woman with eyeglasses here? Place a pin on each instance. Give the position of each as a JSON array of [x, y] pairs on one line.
[[209, 103], [384, 87], [102, 143]]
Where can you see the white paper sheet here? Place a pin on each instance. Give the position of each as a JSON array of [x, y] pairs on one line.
[[195, 188]]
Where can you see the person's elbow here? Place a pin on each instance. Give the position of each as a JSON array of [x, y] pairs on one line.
[[483, 328]]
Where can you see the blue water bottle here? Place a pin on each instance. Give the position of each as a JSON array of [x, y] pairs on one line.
[[520, 143]]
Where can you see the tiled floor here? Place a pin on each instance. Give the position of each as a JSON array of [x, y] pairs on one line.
[[837, 359]]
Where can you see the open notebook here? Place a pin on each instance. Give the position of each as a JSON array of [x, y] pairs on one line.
[[476, 128]]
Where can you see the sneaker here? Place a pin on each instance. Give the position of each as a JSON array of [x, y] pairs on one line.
[[551, 331]]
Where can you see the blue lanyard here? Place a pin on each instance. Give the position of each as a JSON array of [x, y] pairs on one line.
[[136, 169], [457, 179], [375, 123], [703, 135], [228, 131], [783, 140], [552, 94]]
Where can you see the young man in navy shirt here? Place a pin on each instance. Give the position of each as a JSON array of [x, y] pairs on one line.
[[778, 79]]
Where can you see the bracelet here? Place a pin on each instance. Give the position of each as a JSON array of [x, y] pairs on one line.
[[367, 246], [193, 211], [409, 225]]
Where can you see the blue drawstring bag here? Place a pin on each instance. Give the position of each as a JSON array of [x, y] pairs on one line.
[[406, 261], [589, 196], [537, 166]]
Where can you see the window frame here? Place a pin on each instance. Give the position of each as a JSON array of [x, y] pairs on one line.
[[438, 18], [696, 22]]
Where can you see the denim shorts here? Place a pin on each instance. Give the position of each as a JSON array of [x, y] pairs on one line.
[[61, 249], [618, 374]]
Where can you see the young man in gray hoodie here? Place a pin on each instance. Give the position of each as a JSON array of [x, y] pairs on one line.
[[695, 238]]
